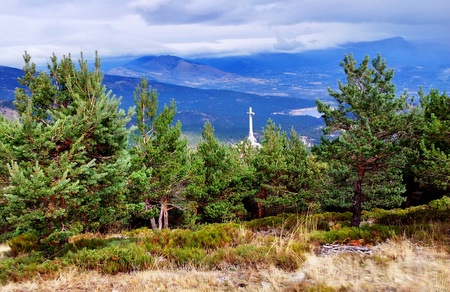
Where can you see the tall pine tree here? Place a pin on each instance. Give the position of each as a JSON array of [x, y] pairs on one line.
[[282, 171], [220, 181], [159, 158], [66, 155], [371, 123]]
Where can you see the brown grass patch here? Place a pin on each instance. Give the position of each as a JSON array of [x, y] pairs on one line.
[[398, 265], [161, 280], [4, 248], [395, 266]]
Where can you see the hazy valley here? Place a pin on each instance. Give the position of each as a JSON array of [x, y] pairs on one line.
[[281, 87]]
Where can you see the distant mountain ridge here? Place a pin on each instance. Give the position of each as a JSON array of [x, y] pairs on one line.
[[225, 109], [276, 85], [175, 70], [303, 75], [8, 81]]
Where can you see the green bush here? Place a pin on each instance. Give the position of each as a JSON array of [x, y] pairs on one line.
[[90, 243], [329, 219], [288, 222], [139, 233], [112, 259], [26, 266], [249, 255], [244, 255], [410, 216], [370, 234], [440, 204], [182, 257], [211, 236], [24, 243], [267, 222]]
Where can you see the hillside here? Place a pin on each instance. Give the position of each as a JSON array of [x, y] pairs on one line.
[[175, 70], [225, 109], [8, 82], [279, 86]]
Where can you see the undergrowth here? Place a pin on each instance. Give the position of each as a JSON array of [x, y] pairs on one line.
[[281, 241]]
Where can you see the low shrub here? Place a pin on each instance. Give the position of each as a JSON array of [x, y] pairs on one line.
[[281, 220], [23, 243], [112, 259], [252, 256], [139, 233], [211, 236], [285, 223], [90, 243], [370, 234], [432, 233], [186, 257], [244, 255], [334, 216], [410, 216], [440, 204], [27, 266]]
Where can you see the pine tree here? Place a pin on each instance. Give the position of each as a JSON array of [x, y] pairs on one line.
[[371, 123], [433, 168], [67, 156], [159, 157], [219, 180], [282, 171]]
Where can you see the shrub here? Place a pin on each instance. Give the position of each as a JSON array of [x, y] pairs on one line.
[[26, 266], [249, 255], [329, 219], [90, 243], [24, 243], [440, 204], [211, 236], [244, 255], [112, 259], [370, 234], [268, 222], [183, 257], [140, 232], [410, 216]]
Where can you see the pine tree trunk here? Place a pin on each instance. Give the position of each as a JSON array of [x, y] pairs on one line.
[[153, 224], [261, 209], [161, 212], [357, 198], [148, 206], [166, 216]]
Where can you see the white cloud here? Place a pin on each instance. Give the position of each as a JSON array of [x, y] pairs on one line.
[[195, 27]]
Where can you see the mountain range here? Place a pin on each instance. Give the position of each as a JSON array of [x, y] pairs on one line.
[[279, 86]]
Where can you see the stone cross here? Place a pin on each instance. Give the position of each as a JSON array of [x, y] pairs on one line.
[[251, 137]]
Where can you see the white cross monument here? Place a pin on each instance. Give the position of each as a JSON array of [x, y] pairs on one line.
[[251, 138]]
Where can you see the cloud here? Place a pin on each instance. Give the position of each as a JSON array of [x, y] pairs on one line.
[[204, 27], [292, 11]]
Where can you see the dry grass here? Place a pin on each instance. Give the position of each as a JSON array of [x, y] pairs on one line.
[[174, 280], [398, 265], [395, 266], [3, 249]]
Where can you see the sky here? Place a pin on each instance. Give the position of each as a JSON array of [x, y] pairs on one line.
[[208, 28]]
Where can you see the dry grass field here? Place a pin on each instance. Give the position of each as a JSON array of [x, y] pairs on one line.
[[397, 265], [397, 250]]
